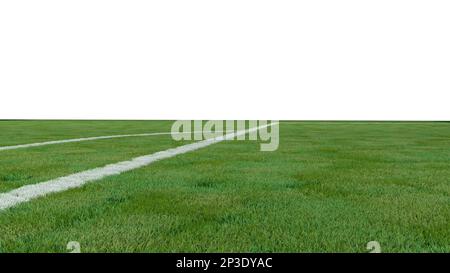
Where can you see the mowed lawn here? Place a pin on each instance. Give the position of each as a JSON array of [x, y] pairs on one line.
[[31, 165], [330, 187]]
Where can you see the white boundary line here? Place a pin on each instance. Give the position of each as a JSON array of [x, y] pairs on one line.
[[29, 192], [52, 142], [13, 147]]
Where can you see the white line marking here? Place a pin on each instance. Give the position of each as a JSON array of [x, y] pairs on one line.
[[74, 140], [29, 192], [37, 144]]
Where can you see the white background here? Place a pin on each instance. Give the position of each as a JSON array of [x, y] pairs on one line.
[[229, 59]]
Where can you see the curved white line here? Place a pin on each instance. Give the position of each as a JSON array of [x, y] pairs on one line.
[[13, 147]]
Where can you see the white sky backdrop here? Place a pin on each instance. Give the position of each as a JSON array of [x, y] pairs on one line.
[[229, 59]]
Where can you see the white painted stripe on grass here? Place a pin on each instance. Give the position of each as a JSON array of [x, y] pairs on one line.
[[2, 148], [52, 142], [29, 192]]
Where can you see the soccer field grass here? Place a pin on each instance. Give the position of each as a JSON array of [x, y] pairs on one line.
[[330, 187]]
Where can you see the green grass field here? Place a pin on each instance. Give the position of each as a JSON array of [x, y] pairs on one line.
[[330, 187]]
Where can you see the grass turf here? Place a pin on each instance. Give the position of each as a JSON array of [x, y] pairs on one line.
[[330, 187], [32, 165]]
